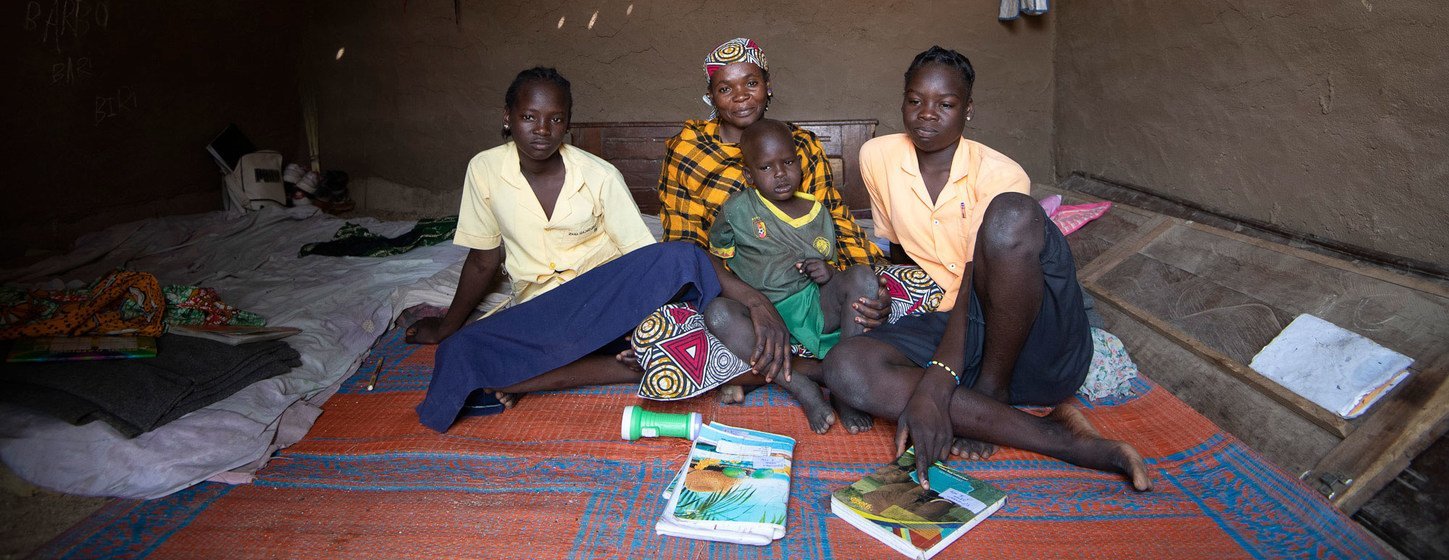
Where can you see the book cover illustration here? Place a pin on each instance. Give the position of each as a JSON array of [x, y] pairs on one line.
[[735, 487], [891, 505]]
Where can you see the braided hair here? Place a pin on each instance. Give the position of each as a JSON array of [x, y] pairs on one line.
[[537, 74], [947, 57]]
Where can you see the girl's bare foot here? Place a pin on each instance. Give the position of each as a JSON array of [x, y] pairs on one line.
[[853, 420], [1099, 453], [968, 448]]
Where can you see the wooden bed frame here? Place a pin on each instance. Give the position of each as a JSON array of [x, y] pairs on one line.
[[637, 149]]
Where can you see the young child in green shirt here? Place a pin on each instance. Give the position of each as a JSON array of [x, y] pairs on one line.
[[782, 242]]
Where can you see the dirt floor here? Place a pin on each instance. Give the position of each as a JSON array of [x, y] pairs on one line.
[[31, 516]]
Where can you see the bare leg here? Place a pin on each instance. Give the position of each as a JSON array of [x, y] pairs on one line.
[[1006, 264], [729, 321], [586, 371], [875, 377], [836, 297]]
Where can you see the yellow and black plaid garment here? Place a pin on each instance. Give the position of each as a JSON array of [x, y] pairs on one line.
[[701, 172]]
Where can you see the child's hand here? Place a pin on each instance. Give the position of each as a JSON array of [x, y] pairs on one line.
[[818, 271]]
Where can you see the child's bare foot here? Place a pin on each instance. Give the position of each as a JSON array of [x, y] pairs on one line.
[[1100, 453], [731, 394], [812, 401], [853, 420], [971, 449], [630, 359]]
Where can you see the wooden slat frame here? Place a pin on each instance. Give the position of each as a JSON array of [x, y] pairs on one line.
[[1375, 447], [1384, 445], [1304, 407]]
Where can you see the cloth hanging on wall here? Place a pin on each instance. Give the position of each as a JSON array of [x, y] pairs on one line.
[[1012, 9]]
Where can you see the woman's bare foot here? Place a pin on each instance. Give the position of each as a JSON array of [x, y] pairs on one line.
[[853, 420], [1100, 453], [731, 394], [968, 448]]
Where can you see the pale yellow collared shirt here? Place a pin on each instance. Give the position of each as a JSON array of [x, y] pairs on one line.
[[594, 221], [939, 235]]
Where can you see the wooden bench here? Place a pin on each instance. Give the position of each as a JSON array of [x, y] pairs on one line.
[[637, 149]]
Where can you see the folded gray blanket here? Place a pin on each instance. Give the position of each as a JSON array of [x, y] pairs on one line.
[[136, 396]]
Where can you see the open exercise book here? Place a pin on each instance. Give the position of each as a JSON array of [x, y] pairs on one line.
[[891, 506], [734, 487]]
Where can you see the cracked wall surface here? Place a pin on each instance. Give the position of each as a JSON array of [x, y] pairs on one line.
[[416, 94], [1323, 118]]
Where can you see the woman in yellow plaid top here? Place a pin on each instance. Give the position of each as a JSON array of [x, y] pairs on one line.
[[703, 167]]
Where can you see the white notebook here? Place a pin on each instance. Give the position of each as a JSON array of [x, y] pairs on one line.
[[1334, 367]]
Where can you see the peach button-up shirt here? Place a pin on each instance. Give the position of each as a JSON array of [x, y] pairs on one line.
[[939, 235]]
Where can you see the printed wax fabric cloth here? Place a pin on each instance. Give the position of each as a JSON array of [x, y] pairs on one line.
[[353, 240], [681, 359], [121, 302]]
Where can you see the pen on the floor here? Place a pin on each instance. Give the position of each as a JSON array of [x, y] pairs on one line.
[[375, 371]]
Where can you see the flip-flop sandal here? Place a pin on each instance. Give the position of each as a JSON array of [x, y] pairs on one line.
[[481, 403]]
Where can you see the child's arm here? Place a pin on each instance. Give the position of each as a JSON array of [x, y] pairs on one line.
[[479, 269]]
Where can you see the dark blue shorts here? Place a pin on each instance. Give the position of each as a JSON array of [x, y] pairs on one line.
[[1054, 360]]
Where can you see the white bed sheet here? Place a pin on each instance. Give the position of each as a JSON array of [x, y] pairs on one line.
[[341, 304]]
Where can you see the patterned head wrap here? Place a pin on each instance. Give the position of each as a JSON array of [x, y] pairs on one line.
[[734, 50], [739, 49]]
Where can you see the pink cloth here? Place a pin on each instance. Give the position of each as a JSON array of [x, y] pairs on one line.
[[1072, 218]]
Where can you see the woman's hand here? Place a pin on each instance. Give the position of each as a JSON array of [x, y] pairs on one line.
[[873, 312], [818, 271], [772, 341], [926, 422], [428, 330]]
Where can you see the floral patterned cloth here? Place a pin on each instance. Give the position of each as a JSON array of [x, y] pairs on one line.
[[1112, 370], [121, 302]]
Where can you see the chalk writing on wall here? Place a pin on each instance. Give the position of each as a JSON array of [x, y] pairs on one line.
[[111, 106], [71, 70], [59, 22]]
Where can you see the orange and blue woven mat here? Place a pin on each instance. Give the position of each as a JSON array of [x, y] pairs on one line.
[[552, 479]]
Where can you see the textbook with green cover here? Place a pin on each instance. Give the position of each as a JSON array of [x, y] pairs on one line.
[[734, 487], [891, 506]]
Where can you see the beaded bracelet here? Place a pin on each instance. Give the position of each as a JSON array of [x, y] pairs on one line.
[[948, 369]]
